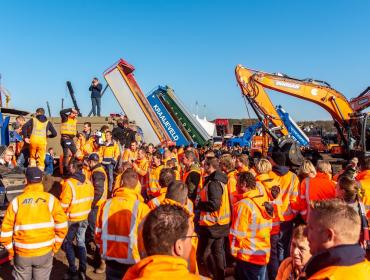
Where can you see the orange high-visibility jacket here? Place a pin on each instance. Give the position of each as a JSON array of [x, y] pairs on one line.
[[357, 271], [319, 188], [76, 199], [69, 127], [161, 267], [364, 179], [34, 223], [154, 187], [289, 185], [268, 183], [110, 152], [105, 193], [129, 155], [142, 167], [250, 229], [118, 226], [220, 217]]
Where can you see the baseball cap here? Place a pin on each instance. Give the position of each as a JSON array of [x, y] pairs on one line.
[[93, 156], [33, 175]]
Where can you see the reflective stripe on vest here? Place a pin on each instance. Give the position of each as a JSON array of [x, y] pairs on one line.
[[130, 239], [207, 217], [253, 226], [39, 128], [74, 195], [26, 227]]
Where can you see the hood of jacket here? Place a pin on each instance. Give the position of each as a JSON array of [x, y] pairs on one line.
[[217, 176], [126, 192], [159, 267], [41, 118], [79, 176], [342, 255], [280, 170]]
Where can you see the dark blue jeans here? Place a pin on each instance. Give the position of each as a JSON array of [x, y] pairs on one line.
[[78, 230], [96, 103], [274, 263], [249, 271], [90, 233], [286, 230], [110, 170]]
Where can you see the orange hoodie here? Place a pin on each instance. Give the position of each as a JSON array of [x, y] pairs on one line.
[[160, 267]]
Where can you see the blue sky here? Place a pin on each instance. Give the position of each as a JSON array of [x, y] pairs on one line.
[[193, 46]]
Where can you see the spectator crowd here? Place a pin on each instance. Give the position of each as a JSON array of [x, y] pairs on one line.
[[168, 212]]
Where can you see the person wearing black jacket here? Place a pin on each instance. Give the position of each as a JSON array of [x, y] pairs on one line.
[[210, 251], [68, 130], [35, 132], [96, 89]]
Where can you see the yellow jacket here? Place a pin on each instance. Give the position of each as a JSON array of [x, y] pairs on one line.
[[118, 225], [76, 197], [34, 223], [160, 267]]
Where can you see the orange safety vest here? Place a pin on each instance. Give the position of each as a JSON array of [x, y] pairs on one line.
[[105, 193], [117, 227], [160, 267], [69, 127], [250, 229], [357, 271], [154, 187], [364, 180], [289, 185], [268, 183], [38, 134], [76, 199], [220, 217], [34, 223]]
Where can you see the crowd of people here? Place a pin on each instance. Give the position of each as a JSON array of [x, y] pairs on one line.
[[167, 212]]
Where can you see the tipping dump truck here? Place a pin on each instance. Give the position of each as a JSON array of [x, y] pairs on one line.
[[133, 102], [188, 124]]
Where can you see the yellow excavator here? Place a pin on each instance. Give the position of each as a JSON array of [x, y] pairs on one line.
[[352, 124]]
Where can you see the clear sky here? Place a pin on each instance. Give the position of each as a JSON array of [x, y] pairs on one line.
[[193, 46]]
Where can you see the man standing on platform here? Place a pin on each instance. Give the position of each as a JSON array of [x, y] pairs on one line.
[[96, 89]]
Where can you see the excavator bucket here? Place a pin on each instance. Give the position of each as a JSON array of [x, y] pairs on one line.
[[292, 153]]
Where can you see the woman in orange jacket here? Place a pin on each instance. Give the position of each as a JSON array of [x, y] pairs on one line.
[[291, 267]]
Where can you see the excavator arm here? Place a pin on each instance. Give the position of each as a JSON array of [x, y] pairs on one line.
[[318, 92], [260, 102], [269, 117], [347, 116]]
